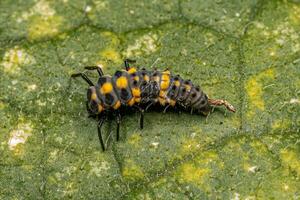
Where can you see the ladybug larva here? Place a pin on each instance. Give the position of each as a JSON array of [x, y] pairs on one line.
[[141, 89]]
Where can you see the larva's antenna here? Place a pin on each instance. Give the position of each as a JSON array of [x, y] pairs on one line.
[[221, 102]]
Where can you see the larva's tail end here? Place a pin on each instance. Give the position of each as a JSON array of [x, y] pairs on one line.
[[221, 102]]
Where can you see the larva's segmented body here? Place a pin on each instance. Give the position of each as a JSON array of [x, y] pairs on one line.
[[144, 87], [141, 89]]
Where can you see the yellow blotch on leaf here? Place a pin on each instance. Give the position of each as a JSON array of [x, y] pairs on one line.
[[111, 54], [190, 173], [15, 58], [188, 146], [112, 37], [132, 171], [19, 136], [294, 14], [280, 124], [254, 90], [290, 158], [134, 139], [44, 26]]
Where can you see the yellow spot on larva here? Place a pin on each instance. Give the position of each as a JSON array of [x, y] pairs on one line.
[[106, 88], [165, 81], [146, 78], [131, 102], [132, 70], [136, 92], [155, 78], [187, 87], [291, 159], [136, 78], [192, 174], [177, 83], [254, 90], [122, 82], [172, 102], [111, 54], [100, 108], [162, 101], [167, 72], [94, 96], [131, 170], [165, 77], [44, 26], [162, 93], [117, 105], [137, 100]]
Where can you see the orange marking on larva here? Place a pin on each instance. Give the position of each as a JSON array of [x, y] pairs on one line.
[[94, 96], [177, 83], [155, 78], [106, 88], [146, 78], [132, 70], [122, 82], [131, 101], [165, 81], [166, 71], [162, 94], [188, 87], [137, 100], [100, 108], [117, 105], [136, 92], [162, 101], [172, 102]]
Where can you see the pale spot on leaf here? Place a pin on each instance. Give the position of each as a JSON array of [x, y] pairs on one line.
[[19, 136]]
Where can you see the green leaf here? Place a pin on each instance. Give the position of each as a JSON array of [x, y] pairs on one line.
[[245, 52]]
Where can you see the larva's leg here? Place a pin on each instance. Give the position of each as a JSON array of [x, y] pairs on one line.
[[118, 119], [166, 108], [142, 119], [98, 68], [142, 111], [84, 76], [221, 102], [100, 123], [126, 63]]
